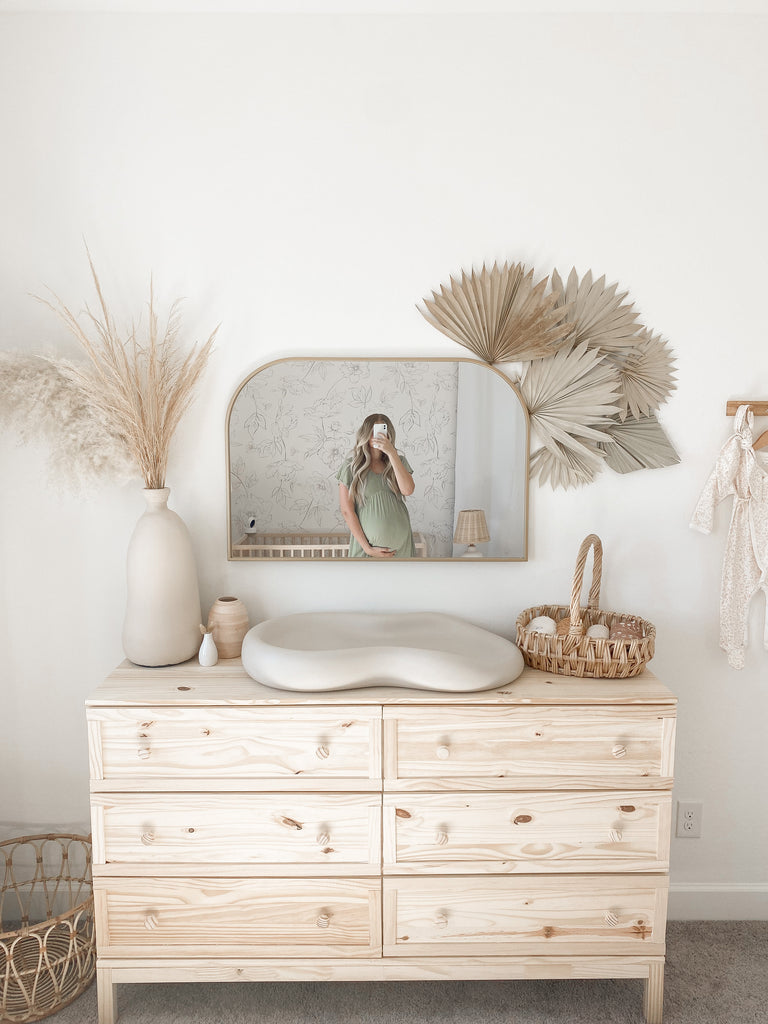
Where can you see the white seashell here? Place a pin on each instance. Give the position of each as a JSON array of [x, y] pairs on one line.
[[599, 631], [542, 624]]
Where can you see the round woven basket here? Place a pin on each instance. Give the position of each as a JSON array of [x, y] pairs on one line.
[[45, 965], [572, 653]]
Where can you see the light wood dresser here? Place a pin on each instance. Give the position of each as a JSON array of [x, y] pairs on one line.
[[242, 833]]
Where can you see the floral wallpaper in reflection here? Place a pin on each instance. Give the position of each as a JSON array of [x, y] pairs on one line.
[[294, 423]]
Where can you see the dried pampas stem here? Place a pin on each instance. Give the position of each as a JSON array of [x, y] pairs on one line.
[[39, 402], [140, 389]]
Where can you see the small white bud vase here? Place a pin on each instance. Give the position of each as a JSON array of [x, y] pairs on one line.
[[162, 615], [228, 619], [208, 655]]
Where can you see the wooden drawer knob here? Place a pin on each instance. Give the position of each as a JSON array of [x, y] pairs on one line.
[[147, 838], [619, 750], [443, 751], [616, 835], [150, 922], [441, 920], [441, 837], [611, 919], [323, 920], [323, 839], [322, 751], [144, 752]]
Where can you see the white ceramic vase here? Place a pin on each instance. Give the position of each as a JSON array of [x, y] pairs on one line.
[[208, 655], [162, 616]]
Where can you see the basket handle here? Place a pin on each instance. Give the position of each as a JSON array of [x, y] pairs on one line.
[[594, 542]]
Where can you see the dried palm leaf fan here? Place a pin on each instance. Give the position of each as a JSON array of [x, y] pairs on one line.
[[499, 314], [638, 444], [647, 375], [571, 398], [597, 314], [564, 466]]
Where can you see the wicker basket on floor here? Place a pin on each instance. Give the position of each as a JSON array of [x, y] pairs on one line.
[[45, 965], [571, 652]]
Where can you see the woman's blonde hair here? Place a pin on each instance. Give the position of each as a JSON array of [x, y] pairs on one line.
[[361, 458]]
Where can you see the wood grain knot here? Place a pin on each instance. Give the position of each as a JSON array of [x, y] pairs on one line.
[[291, 823], [628, 808], [548, 931], [400, 813], [522, 819]]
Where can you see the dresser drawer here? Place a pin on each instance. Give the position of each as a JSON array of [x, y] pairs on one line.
[[214, 744], [528, 747], [526, 832], [223, 917], [277, 830], [503, 916]]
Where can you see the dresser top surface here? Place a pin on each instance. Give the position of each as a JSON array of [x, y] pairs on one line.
[[227, 684]]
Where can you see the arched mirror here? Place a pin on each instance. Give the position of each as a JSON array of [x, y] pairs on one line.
[[459, 424]]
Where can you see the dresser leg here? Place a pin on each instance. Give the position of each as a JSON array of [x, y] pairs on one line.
[[653, 1000], [106, 995]]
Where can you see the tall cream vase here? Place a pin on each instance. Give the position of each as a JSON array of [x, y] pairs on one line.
[[162, 616]]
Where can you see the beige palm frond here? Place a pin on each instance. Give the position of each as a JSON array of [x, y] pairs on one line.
[[647, 375], [566, 466], [138, 389], [499, 314], [597, 314], [639, 443], [571, 395]]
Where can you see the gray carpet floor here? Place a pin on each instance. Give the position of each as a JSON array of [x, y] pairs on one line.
[[717, 973]]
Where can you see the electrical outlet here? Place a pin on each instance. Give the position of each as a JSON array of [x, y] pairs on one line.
[[689, 820]]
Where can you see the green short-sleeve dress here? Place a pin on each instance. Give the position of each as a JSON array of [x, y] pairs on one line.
[[382, 514]]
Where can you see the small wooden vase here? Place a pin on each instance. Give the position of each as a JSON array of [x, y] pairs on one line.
[[228, 619]]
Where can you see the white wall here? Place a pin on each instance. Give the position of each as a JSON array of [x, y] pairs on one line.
[[306, 181]]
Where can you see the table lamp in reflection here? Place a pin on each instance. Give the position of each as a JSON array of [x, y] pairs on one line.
[[471, 529]]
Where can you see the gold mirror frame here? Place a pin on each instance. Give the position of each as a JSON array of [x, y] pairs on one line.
[[318, 545]]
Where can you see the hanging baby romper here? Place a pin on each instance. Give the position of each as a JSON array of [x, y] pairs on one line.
[[745, 566]]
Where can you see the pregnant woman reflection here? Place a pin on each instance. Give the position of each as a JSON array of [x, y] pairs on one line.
[[373, 483]]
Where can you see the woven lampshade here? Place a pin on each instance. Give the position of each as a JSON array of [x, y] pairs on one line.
[[471, 527]]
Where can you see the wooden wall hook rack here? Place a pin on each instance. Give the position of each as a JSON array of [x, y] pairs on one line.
[[758, 408]]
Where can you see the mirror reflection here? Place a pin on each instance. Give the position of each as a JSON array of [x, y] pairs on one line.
[[385, 459]]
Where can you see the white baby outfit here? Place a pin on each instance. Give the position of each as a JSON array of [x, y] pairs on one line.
[[738, 471]]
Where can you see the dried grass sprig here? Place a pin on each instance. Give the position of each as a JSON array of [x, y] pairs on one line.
[[39, 402], [140, 389]]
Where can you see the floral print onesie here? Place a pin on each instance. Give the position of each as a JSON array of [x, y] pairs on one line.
[[740, 472]]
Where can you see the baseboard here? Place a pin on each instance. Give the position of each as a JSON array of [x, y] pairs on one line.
[[718, 901]]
